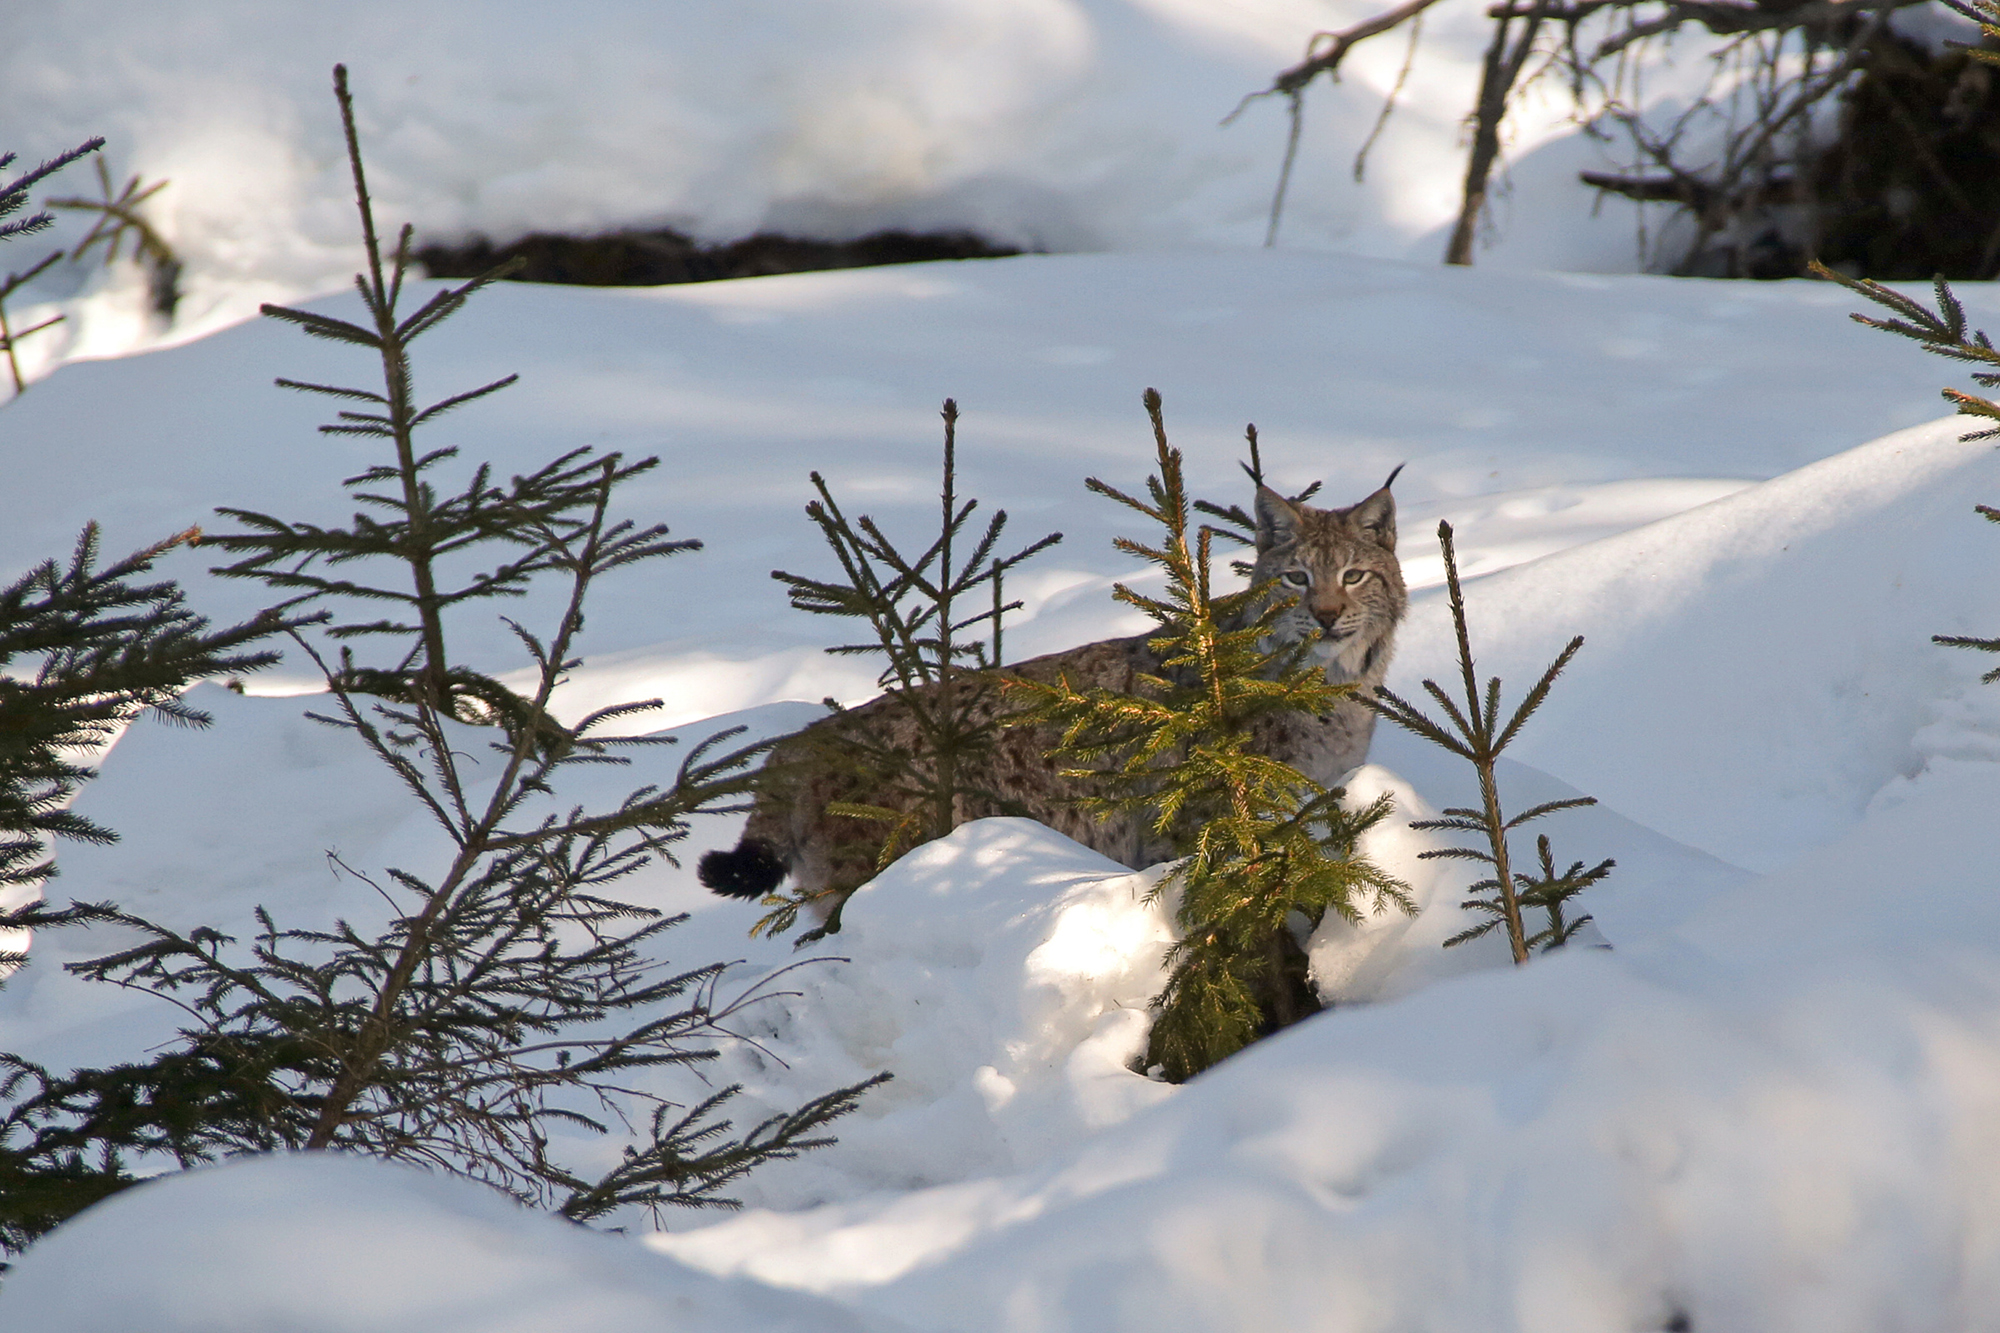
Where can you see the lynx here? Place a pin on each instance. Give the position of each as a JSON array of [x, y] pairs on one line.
[[1339, 564]]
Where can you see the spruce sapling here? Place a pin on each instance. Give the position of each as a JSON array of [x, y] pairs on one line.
[[1264, 847], [84, 649], [13, 198], [939, 678], [508, 997], [1476, 735], [1944, 332], [118, 220]]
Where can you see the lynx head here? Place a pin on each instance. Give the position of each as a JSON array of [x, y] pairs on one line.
[[1341, 566]]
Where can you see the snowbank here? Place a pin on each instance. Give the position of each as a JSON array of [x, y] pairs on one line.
[[1002, 975], [1758, 668], [1535, 411], [1780, 1116], [1770, 1107], [318, 1243], [1065, 125]]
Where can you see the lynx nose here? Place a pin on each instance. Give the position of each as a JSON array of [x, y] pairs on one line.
[[1328, 617]]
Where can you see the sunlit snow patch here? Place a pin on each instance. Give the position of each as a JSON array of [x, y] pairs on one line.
[[1003, 975], [326, 1243]]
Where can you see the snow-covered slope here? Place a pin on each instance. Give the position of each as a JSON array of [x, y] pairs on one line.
[[1063, 125], [348, 1245], [1533, 410], [1768, 1107]]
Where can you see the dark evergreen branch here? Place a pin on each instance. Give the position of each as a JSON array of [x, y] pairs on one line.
[[335, 391], [322, 326], [14, 194], [1476, 736], [1549, 808], [511, 993], [1942, 333]]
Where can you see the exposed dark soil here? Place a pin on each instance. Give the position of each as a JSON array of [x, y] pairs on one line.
[[652, 258]]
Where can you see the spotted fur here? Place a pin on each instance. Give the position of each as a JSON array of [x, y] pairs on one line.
[[1340, 565]]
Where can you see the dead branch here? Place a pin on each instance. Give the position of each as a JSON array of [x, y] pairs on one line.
[[1721, 17], [1292, 82], [1506, 56]]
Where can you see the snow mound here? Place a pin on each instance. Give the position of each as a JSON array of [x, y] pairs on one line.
[[1756, 668], [1002, 974], [1780, 1116], [1050, 124], [321, 1243]]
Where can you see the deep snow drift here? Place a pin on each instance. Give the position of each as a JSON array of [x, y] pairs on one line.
[[1060, 125], [1769, 1107]]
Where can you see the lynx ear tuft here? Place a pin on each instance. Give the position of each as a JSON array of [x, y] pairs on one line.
[[1277, 519], [1376, 515], [751, 871]]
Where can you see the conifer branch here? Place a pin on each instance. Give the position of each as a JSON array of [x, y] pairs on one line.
[[939, 682], [444, 405], [14, 194], [322, 326], [362, 395], [1475, 735], [83, 650], [511, 992], [1942, 332], [1258, 839], [119, 218]]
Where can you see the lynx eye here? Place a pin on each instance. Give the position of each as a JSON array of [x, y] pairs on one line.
[[1297, 578], [1353, 576]]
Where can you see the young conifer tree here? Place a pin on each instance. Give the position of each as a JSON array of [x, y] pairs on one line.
[[510, 997], [84, 649], [118, 220], [1944, 332], [1263, 846], [1476, 735], [924, 612], [15, 196]]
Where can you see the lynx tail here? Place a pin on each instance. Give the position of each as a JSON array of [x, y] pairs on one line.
[[751, 871]]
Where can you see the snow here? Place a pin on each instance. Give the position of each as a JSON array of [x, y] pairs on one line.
[[1060, 125], [346, 1244], [1671, 393], [1788, 1056], [1773, 1104]]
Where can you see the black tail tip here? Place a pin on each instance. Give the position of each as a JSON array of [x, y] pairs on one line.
[[751, 871]]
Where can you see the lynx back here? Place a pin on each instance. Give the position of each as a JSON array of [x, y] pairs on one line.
[[1339, 566]]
